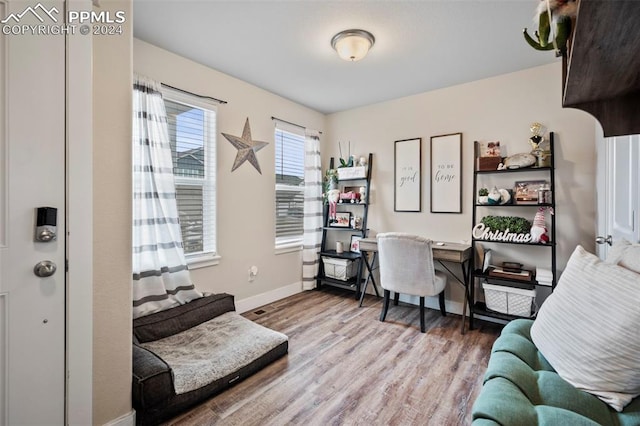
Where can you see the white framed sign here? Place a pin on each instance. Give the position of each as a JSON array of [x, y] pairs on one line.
[[407, 175], [446, 173]]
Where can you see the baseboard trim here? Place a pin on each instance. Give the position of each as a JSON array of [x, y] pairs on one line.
[[261, 299], [451, 306], [128, 419]]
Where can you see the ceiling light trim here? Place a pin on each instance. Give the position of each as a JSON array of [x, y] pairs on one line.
[[353, 45]]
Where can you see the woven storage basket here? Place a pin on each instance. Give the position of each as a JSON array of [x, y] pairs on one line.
[[340, 269], [509, 300]]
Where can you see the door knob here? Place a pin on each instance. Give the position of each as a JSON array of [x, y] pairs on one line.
[[602, 240], [44, 269]]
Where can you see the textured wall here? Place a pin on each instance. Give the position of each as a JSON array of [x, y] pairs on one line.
[[499, 108], [112, 87], [246, 199]]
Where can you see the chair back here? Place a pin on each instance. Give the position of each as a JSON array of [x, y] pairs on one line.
[[406, 264]]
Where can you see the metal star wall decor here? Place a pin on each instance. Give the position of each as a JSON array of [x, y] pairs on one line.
[[246, 147]]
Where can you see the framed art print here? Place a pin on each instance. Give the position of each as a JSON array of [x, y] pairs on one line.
[[408, 175], [446, 173]]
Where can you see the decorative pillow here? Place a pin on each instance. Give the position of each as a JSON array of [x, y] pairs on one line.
[[625, 254], [588, 328]]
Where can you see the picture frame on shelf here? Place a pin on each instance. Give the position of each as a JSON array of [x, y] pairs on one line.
[[526, 191], [342, 220], [354, 245], [408, 175], [446, 173]]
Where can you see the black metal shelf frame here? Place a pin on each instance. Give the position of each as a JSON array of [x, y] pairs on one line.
[[479, 307], [355, 283]]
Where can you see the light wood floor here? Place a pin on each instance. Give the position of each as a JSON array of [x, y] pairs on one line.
[[345, 367]]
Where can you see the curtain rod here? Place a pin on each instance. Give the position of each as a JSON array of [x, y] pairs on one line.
[[288, 122], [195, 94]]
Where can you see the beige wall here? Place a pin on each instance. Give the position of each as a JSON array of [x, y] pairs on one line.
[[500, 108], [112, 221], [245, 198]]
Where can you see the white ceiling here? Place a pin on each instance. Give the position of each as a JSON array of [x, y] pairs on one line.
[[284, 46]]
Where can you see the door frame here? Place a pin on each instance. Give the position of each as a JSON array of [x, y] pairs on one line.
[[79, 136], [602, 190]]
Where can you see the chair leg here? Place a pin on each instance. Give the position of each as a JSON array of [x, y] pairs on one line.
[[396, 298], [422, 325], [442, 309], [385, 305]]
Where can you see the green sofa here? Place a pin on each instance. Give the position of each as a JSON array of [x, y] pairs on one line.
[[521, 388]]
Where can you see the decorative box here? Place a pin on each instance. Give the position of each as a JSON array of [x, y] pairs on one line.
[[509, 300], [487, 163], [358, 172]]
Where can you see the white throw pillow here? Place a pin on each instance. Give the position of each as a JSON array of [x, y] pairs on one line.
[[625, 254], [589, 328]]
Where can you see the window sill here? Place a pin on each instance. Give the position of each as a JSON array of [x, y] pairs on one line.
[[203, 260], [288, 247]]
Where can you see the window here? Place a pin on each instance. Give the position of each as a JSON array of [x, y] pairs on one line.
[[192, 134], [289, 147]]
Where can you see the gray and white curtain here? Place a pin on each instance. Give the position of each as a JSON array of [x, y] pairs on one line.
[[312, 209], [161, 279]]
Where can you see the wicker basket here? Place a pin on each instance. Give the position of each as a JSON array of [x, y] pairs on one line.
[[509, 300]]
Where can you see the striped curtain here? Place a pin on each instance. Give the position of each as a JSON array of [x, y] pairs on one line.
[[161, 279], [312, 236]]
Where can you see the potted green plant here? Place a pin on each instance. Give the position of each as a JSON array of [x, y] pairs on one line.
[[331, 179], [516, 225], [483, 196]]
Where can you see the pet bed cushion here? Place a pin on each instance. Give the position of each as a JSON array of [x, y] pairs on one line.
[[214, 349]]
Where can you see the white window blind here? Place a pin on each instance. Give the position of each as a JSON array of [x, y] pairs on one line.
[[192, 133], [289, 147]]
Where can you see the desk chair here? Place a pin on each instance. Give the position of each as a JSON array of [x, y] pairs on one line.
[[406, 266]]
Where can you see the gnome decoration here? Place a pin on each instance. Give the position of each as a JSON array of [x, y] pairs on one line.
[[332, 197], [539, 228]]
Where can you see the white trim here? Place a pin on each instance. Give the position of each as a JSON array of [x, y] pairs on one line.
[[4, 357], [79, 101], [262, 299], [4, 137], [208, 182], [202, 260], [431, 302], [128, 419], [602, 191], [288, 248]]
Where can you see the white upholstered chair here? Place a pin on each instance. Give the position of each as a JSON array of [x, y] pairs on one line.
[[406, 266]]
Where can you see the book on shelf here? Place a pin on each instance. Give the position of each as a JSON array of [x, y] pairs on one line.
[[526, 285], [524, 275]]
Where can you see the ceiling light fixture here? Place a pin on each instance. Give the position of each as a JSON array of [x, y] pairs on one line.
[[352, 45]]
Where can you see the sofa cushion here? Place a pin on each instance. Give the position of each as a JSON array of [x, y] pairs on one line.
[[588, 328], [521, 388], [175, 320], [204, 353], [625, 254]]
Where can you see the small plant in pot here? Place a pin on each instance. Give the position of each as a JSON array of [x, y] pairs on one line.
[[483, 196]]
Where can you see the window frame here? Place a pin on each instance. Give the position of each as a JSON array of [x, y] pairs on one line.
[[210, 255], [286, 244]]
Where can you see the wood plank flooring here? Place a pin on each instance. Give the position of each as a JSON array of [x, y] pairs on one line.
[[345, 367]]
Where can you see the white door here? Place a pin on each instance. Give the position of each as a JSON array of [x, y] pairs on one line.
[[32, 162], [618, 191]]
